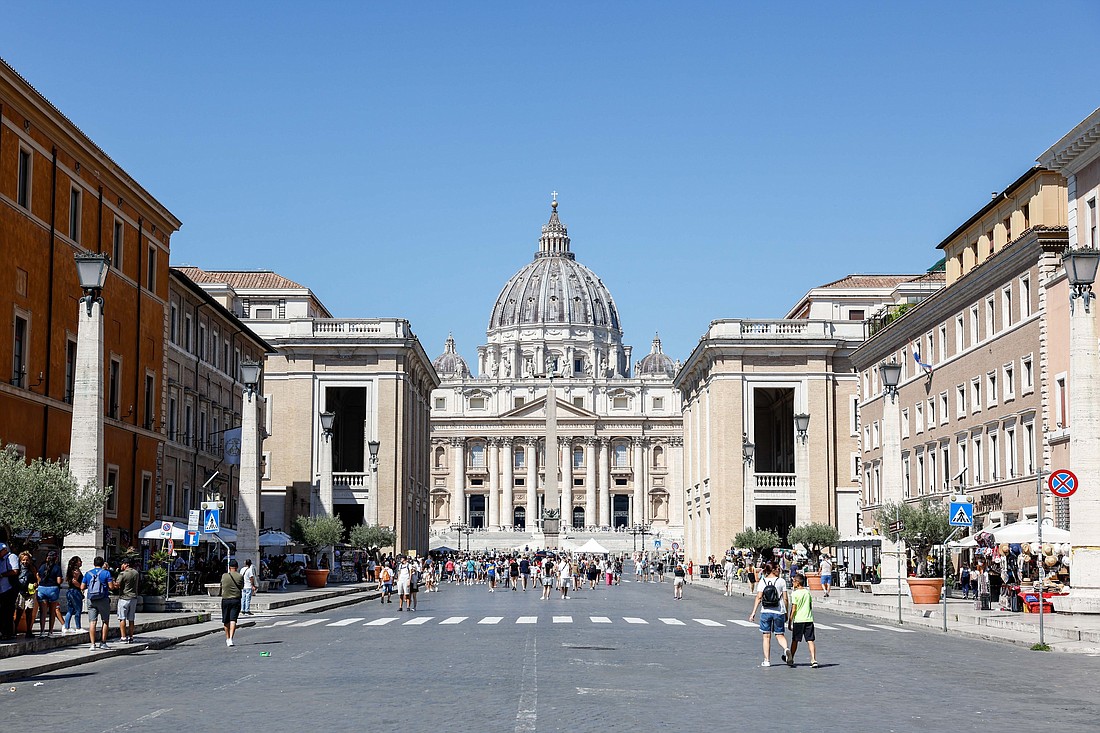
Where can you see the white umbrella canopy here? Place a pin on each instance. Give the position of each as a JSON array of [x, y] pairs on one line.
[[275, 538], [152, 532], [592, 546], [1028, 531]]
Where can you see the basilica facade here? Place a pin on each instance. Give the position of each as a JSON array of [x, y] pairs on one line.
[[554, 369]]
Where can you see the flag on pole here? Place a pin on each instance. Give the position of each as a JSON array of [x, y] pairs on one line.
[[916, 357], [231, 453]]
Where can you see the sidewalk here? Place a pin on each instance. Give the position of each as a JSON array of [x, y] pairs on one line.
[[1063, 632], [28, 657]]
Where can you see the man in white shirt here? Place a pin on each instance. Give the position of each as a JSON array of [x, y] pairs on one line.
[[729, 572], [771, 599], [826, 568], [250, 587]]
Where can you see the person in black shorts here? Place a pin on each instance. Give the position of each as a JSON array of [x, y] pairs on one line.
[[525, 571], [513, 572], [232, 590]]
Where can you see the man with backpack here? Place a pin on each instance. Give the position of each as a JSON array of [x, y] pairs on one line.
[[96, 587], [771, 599]]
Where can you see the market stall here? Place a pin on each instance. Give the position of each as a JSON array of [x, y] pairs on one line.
[[1020, 568]]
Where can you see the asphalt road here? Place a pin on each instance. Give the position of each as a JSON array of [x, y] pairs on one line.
[[627, 658]]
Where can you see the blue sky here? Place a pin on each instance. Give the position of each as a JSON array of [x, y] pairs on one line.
[[713, 160]]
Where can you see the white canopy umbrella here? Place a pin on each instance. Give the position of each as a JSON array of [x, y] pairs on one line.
[[152, 532], [275, 538], [227, 535], [968, 543], [593, 547], [1028, 531]]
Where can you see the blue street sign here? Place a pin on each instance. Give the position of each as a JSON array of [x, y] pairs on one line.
[[657, 544], [961, 514], [191, 539], [211, 521]]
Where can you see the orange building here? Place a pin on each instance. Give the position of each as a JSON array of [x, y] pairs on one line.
[[60, 194]]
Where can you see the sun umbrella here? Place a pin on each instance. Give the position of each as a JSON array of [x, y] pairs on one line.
[[275, 538]]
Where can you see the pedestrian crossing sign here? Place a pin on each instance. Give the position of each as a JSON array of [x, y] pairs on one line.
[[961, 514], [211, 521]]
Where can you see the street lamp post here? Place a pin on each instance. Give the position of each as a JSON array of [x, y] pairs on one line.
[[467, 530], [748, 493], [372, 498], [86, 442], [891, 577], [1084, 433], [248, 500], [324, 467]]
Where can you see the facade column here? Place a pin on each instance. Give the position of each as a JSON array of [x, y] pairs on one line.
[[531, 451], [605, 482], [892, 483], [458, 463], [591, 517], [507, 511], [676, 496], [637, 509], [494, 483], [86, 443], [802, 507], [566, 481], [248, 501]]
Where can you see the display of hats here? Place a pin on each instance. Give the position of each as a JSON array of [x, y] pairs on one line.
[[1015, 546], [1065, 548], [1050, 561], [1025, 548], [1048, 549], [1005, 547], [1065, 560]]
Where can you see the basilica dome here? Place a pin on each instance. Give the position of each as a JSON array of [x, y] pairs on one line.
[[450, 363], [656, 363], [555, 289]]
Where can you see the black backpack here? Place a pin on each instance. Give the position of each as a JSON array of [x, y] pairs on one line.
[[769, 597]]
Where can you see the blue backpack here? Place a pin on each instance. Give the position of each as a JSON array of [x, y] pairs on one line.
[[97, 587]]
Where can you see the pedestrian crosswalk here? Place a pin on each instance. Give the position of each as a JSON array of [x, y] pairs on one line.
[[562, 619]]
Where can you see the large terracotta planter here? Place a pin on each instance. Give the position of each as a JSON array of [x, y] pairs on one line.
[[813, 580], [316, 578], [925, 590]]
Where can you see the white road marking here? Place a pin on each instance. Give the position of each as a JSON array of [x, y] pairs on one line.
[[600, 619], [283, 623], [892, 628], [634, 620], [142, 719], [346, 621], [672, 621], [527, 709], [381, 621], [418, 621], [707, 622], [491, 620], [563, 619], [311, 622], [746, 624], [453, 620], [527, 620], [823, 626], [853, 627]]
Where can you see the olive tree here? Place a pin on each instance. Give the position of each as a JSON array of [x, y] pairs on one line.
[[924, 526], [760, 541], [317, 533], [371, 537], [815, 537]]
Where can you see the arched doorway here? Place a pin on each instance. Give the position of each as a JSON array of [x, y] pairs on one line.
[[578, 517], [620, 510], [519, 517]]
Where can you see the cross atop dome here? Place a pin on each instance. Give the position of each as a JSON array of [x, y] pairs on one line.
[[554, 241]]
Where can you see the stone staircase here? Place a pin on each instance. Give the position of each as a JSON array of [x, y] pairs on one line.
[[480, 540]]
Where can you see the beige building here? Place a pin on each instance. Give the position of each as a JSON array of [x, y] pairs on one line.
[[372, 373], [204, 346], [975, 419], [618, 442], [752, 381]]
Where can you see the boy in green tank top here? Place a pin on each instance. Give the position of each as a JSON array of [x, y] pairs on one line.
[[801, 620]]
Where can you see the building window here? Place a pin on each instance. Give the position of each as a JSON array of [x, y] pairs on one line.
[[976, 395], [172, 416], [74, 214], [1010, 452], [114, 388], [943, 408], [265, 314], [945, 457], [266, 467], [620, 402], [477, 403], [933, 473], [146, 495], [150, 413], [931, 412], [170, 498], [203, 433], [994, 468], [905, 423], [990, 323], [920, 474], [963, 465], [853, 415], [70, 369], [477, 455], [187, 333], [907, 485], [519, 402], [188, 425], [1007, 224], [225, 358], [919, 417], [117, 245], [1061, 412], [1029, 447], [578, 366], [173, 323], [112, 491], [20, 343], [1093, 234], [519, 458], [857, 314], [214, 350], [441, 403], [959, 332], [1025, 297], [1027, 375], [977, 441], [578, 457], [1006, 306], [151, 272], [1026, 211], [991, 388], [619, 456], [974, 325], [1009, 383], [658, 403], [23, 192], [578, 402], [960, 401], [874, 434]]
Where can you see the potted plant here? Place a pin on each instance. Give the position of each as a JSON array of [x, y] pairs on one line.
[[154, 581], [815, 537], [318, 534], [924, 526]]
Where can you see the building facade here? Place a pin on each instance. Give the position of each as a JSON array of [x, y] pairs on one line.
[[60, 195], [750, 382], [204, 345], [373, 374], [983, 414], [616, 441]]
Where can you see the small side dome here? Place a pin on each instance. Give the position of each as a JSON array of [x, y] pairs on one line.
[[656, 363], [450, 363]]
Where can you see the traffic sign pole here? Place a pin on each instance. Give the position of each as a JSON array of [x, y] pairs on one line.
[[1039, 501]]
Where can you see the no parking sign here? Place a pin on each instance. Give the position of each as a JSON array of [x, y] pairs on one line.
[[1062, 483]]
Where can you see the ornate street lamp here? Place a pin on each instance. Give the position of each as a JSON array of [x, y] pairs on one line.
[[327, 420], [91, 271], [891, 375], [748, 449], [250, 375], [1081, 264], [801, 425]]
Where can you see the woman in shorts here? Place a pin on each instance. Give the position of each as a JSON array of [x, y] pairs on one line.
[[565, 578], [547, 578]]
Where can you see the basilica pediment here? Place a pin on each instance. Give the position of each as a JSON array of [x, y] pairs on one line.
[[536, 409]]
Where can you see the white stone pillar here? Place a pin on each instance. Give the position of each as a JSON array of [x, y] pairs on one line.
[[248, 500], [507, 511], [802, 479], [86, 442], [531, 455], [1084, 436], [324, 493], [676, 477], [551, 489], [494, 483], [591, 514], [458, 461], [605, 482], [892, 483], [637, 508], [567, 482]]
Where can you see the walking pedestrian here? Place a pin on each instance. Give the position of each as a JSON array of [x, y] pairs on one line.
[[729, 573], [691, 571], [547, 578], [127, 586], [513, 573], [415, 575], [74, 597], [96, 587], [826, 568], [565, 578], [403, 577], [48, 592], [524, 572], [386, 577], [249, 575], [27, 584], [492, 573], [801, 620], [9, 570], [771, 600], [232, 592], [678, 582], [964, 580]]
